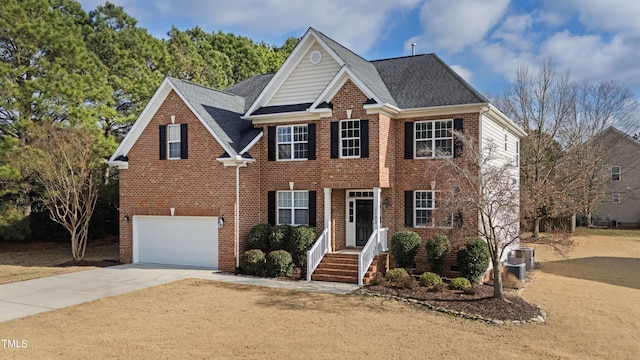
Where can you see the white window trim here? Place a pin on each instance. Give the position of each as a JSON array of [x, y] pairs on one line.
[[340, 139], [292, 208], [517, 153], [433, 210], [615, 198], [169, 141], [619, 173], [292, 143], [432, 140]]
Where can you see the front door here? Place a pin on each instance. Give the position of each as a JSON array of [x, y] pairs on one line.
[[364, 221]]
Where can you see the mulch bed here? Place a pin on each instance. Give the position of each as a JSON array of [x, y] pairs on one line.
[[481, 303], [96, 263]]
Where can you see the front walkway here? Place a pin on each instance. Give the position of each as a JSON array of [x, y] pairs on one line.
[[30, 297]]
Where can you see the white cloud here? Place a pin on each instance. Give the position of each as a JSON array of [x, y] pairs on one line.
[[355, 24], [463, 72], [610, 15], [450, 26]]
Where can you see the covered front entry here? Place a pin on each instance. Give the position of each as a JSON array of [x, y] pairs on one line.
[[359, 217]]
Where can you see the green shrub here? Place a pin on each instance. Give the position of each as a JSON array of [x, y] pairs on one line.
[[474, 259], [396, 276], [279, 263], [302, 239], [437, 250], [253, 262], [14, 226], [259, 237], [471, 290], [459, 283], [404, 246], [407, 283], [439, 287], [429, 279], [280, 237]]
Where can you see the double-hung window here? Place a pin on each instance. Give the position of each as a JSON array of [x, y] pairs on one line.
[[615, 197], [423, 209], [433, 139], [173, 141], [615, 173], [350, 138], [293, 207], [293, 142]]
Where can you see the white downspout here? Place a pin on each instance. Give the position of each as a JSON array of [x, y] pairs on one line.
[[237, 212]]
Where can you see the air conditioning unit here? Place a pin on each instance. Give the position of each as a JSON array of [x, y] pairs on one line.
[[519, 270], [528, 254]]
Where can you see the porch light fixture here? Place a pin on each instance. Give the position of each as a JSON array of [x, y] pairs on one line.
[[385, 204], [433, 184], [221, 221], [126, 218], [172, 211]]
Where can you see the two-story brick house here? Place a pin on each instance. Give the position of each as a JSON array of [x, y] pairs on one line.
[[331, 140]]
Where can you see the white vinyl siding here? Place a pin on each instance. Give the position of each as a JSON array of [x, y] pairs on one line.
[[307, 80]]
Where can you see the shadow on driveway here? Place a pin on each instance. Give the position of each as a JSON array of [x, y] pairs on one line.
[[610, 270]]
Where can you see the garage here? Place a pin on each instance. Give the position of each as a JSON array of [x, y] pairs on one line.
[[176, 240]]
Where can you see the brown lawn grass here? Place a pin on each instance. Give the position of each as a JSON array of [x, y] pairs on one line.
[[20, 262], [591, 298]]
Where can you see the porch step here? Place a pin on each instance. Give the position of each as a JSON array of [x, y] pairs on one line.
[[343, 267]]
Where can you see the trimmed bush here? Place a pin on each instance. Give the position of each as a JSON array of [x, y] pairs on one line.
[[474, 260], [279, 263], [437, 250], [302, 239], [396, 276], [459, 283], [439, 287], [430, 279], [259, 237], [280, 237], [404, 246], [253, 262]]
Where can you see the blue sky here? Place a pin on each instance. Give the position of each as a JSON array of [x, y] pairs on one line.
[[484, 40]]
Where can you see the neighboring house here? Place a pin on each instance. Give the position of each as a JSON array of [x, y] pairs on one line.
[[331, 140], [620, 206]]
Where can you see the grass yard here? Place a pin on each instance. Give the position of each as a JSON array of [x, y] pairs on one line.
[[591, 298], [20, 262]]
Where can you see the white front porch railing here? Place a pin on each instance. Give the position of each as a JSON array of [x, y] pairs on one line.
[[317, 252], [376, 244]]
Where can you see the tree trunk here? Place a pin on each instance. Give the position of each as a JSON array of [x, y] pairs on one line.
[[536, 228], [587, 219], [497, 280]]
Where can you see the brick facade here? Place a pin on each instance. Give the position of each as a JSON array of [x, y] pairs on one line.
[[202, 186]]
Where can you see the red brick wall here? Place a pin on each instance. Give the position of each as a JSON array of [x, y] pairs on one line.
[[197, 186]]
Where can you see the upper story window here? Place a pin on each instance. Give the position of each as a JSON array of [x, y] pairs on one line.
[[615, 197], [293, 142], [173, 141], [433, 139], [293, 207], [350, 138], [615, 173]]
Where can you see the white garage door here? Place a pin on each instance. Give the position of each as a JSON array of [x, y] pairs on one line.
[[176, 240]]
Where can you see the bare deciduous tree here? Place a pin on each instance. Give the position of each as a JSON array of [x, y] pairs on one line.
[[484, 182], [65, 162]]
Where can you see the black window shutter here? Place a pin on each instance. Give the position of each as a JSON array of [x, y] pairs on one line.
[[271, 140], [364, 138], [408, 208], [457, 142], [408, 140], [334, 139], [312, 208], [184, 142], [271, 204], [311, 145], [163, 142]]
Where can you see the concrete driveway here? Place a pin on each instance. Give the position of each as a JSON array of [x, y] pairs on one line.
[[30, 297]]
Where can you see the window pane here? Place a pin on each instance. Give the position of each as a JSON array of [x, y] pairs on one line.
[[173, 132], [300, 133], [284, 199], [300, 150], [174, 150], [284, 151], [284, 134], [284, 216], [443, 147], [301, 216], [301, 199]]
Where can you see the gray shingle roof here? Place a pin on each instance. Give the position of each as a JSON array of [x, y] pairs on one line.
[[221, 111], [425, 81], [250, 88]]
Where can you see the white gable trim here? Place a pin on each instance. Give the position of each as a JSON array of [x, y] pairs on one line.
[[307, 41], [286, 117], [147, 114], [336, 84]]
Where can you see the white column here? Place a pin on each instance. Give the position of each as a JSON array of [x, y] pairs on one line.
[[376, 214], [327, 216]]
